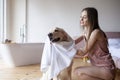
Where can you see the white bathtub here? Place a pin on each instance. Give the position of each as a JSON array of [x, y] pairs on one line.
[[21, 53]]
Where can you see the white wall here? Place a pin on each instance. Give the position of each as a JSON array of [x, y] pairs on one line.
[[45, 14], [16, 18]]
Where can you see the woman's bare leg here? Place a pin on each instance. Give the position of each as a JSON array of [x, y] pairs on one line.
[[86, 77], [93, 73]]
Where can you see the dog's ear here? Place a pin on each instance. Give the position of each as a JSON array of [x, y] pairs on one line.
[[65, 38], [58, 28], [52, 29]]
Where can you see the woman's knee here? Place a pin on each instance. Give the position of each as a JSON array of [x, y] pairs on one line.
[[80, 75]]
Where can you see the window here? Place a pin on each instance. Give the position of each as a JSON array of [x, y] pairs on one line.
[[2, 20]]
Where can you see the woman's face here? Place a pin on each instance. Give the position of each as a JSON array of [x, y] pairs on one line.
[[84, 19]]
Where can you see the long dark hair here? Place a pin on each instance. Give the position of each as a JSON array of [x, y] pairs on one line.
[[92, 15]]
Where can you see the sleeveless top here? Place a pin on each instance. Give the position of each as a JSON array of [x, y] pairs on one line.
[[99, 55]]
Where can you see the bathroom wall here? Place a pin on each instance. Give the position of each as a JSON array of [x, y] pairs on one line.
[[16, 18], [41, 15]]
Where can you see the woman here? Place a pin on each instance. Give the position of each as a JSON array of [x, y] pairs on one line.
[[96, 48]]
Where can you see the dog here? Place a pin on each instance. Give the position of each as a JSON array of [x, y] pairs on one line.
[[58, 35], [55, 36]]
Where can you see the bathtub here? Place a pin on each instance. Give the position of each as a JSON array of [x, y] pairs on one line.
[[19, 54]]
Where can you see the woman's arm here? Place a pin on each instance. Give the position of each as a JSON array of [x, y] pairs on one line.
[[79, 39], [90, 43]]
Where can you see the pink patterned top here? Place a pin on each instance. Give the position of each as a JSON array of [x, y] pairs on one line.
[[100, 56]]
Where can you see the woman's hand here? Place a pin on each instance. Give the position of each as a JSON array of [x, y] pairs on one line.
[[80, 52]]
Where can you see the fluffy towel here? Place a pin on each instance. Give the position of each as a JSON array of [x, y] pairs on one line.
[[56, 57]]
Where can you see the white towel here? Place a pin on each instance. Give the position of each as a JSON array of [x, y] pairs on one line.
[[56, 57]]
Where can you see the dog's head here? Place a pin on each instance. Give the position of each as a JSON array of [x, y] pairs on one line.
[[58, 35]]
